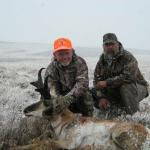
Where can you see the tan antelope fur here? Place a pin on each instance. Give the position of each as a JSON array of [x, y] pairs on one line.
[[76, 132]]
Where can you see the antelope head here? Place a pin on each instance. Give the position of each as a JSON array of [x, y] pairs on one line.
[[37, 109], [40, 108]]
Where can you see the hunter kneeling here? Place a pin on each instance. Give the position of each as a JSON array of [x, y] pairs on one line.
[[118, 82], [68, 80]]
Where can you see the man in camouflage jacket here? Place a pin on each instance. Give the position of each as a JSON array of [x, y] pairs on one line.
[[117, 79], [68, 79]]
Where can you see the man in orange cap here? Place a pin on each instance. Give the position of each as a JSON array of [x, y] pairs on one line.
[[68, 79]]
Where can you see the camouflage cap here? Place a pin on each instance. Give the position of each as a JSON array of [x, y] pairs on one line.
[[110, 38]]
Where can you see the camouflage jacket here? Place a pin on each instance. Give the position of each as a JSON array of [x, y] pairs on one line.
[[124, 69], [69, 80]]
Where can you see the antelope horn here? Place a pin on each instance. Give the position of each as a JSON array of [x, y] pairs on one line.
[[42, 88], [39, 83]]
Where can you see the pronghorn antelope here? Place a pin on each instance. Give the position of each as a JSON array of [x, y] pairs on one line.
[[76, 132], [72, 131]]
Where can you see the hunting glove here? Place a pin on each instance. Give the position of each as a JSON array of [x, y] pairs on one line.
[[64, 101], [57, 104]]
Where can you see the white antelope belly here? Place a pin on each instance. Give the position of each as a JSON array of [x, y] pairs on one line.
[[96, 134]]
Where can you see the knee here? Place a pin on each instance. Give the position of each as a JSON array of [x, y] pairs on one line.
[[131, 89], [129, 97]]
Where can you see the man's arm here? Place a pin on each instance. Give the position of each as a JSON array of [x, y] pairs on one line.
[[128, 75], [97, 74], [98, 77], [80, 87], [82, 80]]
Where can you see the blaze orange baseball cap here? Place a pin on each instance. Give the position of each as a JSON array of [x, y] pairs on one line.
[[62, 44]]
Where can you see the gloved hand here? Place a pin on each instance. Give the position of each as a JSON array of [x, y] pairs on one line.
[[67, 100], [57, 104], [104, 103], [62, 102]]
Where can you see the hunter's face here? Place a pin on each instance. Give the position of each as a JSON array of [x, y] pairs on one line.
[[111, 48], [64, 57]]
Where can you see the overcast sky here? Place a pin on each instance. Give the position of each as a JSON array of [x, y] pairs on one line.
[[83, 21]]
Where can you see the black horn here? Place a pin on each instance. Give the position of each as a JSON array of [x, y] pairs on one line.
[[42, 88], [39, 83]]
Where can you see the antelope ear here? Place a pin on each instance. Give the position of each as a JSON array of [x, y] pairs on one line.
[[44, 93], [39, 89], [36, 84]]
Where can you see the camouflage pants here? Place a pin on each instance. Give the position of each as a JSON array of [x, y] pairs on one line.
[[83, 105], [125, 97], [131, 95]]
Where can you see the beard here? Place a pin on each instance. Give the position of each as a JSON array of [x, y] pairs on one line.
[[109, 55], [108, 58], [65, 64]]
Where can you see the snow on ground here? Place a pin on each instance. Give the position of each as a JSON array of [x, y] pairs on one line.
[[19, 65]]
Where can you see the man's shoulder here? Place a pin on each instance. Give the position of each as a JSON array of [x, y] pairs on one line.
[[52, 64], [80, 60], [101, 59], [127, 54]]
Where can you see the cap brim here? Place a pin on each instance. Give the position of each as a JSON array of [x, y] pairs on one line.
[[61, 48], [109, 41]]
